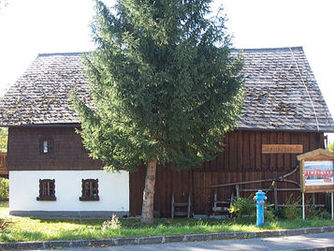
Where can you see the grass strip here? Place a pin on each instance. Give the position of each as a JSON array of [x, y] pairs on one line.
[[26, 229]]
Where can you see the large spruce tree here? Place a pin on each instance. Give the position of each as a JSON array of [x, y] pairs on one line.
[[163, 85]]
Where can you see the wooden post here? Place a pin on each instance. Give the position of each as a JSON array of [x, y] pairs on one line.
[[303, 202], [332, 199], [189, 205], [313, 199], [275, 197], [237, 190], [215, 202], [172, 207]]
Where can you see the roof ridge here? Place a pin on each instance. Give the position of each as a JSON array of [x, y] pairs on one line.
[[288, 48], [62, 53], [48, 54]]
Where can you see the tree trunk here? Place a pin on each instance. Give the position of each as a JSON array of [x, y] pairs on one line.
[[148, 194]]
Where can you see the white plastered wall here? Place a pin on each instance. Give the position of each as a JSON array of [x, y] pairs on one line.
[[24, 188]]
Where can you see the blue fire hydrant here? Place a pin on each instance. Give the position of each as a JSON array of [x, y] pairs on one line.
[[260, 198]]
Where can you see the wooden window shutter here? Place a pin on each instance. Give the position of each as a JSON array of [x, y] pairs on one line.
[[47, 190], [50, 145], [89, 190]]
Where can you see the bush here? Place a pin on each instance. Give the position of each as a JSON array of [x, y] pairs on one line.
[[311, 212], [292, 211], [269, 214], [243, 206], [280, 213], [113, 223], [4, 189]]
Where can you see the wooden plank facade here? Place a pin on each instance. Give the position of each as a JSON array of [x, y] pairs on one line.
[[68, 153], [242, 160]]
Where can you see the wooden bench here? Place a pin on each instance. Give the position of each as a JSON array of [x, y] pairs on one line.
[[181, 209], [220, 206]]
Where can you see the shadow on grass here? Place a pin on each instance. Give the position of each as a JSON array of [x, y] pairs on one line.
[[76, 221], [8, 236]]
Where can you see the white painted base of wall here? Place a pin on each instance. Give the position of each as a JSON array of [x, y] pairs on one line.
[[113, 191]]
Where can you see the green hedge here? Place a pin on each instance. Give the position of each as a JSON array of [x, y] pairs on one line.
[[4, 189]]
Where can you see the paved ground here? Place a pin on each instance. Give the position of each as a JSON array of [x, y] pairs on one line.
[[300, 242]]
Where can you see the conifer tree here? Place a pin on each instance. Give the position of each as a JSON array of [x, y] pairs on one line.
[[163, 84]]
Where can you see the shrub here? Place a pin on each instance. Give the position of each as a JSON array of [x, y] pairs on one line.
[[311, 212], [280, 213], [243, 206], [247, 207], [292, 211], [113, 223], [4, 189], [269, 214]]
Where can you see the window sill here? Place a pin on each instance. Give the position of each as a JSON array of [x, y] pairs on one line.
[[46, 198], [89, 198]]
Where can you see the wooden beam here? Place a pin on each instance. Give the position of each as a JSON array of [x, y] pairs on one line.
[[281, 148]]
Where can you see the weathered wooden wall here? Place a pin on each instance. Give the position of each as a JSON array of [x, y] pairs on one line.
[[241, 160], [69, 153]]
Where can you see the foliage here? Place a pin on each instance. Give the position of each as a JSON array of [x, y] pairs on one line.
[[243, 206], [4, 184], [4, 209], [269, 214], [331, 146], [113, 223], [163, 84], [292, 211], [3, 139]]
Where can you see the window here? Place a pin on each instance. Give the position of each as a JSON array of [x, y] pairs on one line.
[[47, 190], [46, 146], [90, 190]]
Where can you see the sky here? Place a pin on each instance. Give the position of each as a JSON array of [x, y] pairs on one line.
[[39, 26]]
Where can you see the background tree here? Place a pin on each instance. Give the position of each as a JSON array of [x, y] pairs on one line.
[[163, 85], [3, 139], [331, 146]]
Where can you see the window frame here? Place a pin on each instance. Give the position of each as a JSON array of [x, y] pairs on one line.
[[89, 195], [47, 190], [50, 146]]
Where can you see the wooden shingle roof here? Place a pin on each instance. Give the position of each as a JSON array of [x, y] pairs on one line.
[[281, 92]]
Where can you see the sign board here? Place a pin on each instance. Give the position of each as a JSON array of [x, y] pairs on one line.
[[317, 171], [281, 148], [318, 176]]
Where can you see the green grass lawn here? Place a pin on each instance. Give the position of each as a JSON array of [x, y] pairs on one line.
[[26, 229]]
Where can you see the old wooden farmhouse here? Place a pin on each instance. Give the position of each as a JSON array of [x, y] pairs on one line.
[[50, 172]]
